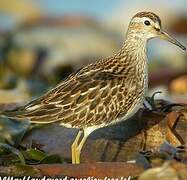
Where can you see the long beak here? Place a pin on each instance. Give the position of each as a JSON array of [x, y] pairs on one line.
[[164, 35]]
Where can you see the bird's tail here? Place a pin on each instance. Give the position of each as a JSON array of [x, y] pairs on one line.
[[17, 113], [42, 114]]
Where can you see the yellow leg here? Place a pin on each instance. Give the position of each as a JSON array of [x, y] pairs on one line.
[[79, 148], [74, 147]]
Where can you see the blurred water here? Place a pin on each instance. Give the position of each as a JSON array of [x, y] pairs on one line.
[[75, 33]]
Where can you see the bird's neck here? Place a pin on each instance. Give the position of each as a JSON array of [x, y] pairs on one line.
[[133, 55], [134, 51], [135, 47]]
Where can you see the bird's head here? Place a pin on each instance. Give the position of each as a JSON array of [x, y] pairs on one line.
[[147, 25]]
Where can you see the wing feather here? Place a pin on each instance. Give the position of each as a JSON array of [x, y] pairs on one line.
[[82, 100]]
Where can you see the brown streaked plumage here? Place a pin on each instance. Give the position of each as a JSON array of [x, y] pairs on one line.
[[150, 15], [102, 93]]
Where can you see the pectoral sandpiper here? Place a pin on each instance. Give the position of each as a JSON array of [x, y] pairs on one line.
[[103, 93]]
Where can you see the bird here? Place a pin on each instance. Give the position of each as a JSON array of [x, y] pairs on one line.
[[103, 93]]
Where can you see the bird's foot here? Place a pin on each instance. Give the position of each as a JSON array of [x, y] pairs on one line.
[[74, 148]]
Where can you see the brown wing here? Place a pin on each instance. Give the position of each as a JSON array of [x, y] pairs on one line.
[[84, 100]]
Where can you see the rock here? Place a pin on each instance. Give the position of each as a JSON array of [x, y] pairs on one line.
[[168, 171], [179, 85], [120, 142], [13, 96]]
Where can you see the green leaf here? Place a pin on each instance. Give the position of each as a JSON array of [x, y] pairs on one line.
[[23, 170], [13, 150], [52, 159], [34, 154], [12, 131]]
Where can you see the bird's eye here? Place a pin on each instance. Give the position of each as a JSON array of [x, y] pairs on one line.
[[147, 23]]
